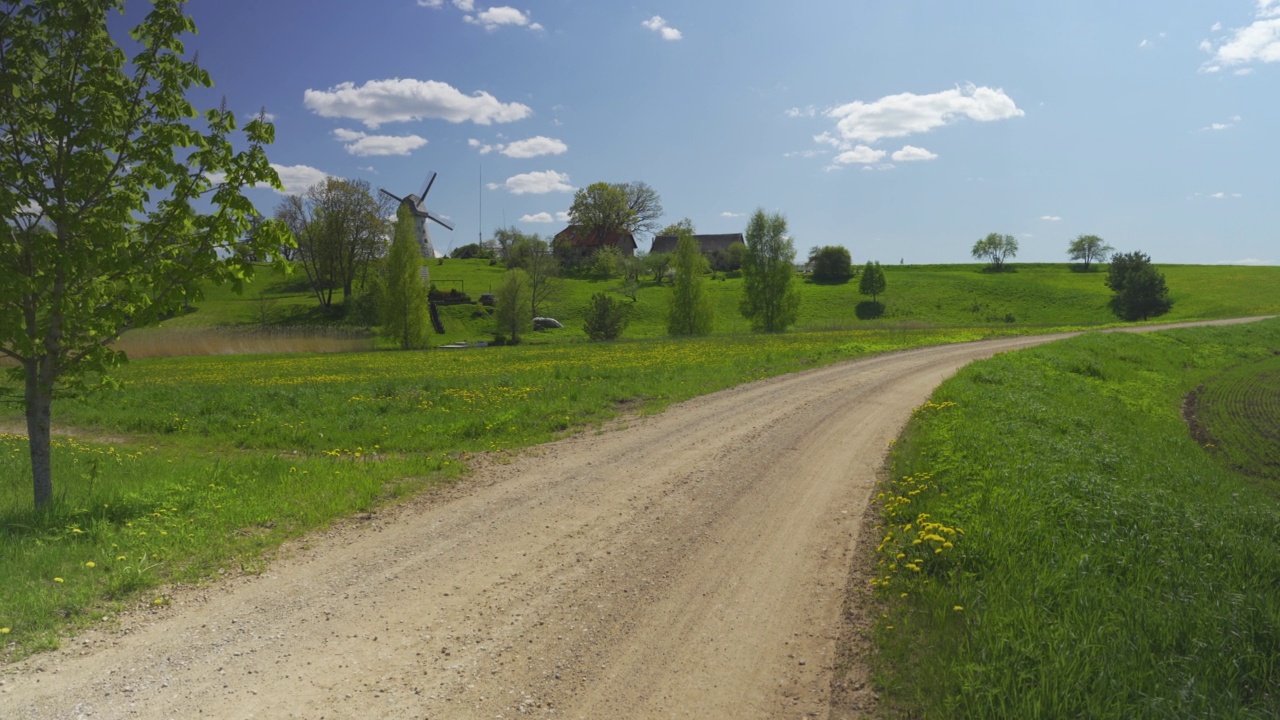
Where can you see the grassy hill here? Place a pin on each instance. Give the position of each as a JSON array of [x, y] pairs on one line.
[[1031, 295]]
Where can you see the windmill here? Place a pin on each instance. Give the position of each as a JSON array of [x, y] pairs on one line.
[[418, 206]]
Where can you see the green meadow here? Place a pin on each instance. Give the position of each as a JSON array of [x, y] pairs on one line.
[[1067, 505], [1032, 296], [1057, 543]]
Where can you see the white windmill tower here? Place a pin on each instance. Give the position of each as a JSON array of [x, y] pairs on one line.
[[418, 206]]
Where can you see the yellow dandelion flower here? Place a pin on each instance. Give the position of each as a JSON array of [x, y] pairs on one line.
[[4, 631], [958, 608], [57, 580], [91, 564]]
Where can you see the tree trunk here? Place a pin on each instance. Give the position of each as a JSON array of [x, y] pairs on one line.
[[39, 402]]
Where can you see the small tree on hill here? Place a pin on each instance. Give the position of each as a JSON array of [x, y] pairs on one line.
[[770, 299], [872, 280], [1140, 291], [691, 312], [607, 262], [831, 264], [606, 318], [1089, 249], [997, 248], [404, 309], [511, 306]]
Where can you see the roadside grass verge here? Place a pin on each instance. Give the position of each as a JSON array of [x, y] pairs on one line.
[[204, 463], [1057, 545], [1236, 416]]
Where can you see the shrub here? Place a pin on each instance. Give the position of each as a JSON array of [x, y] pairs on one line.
[[831, 264], [606, 318]]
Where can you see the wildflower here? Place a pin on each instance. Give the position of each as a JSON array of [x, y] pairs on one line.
[[958, 608], [90, 564], [4, 631], [57, 580]]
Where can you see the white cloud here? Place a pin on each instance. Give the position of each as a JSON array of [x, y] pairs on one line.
[[465, 5], [908, 114], [431, 3], [523, 149], [1217, 126], [1215, 27], [1248, 261], [534, 147], [880, 166], [1050, 218], [535, 183], [363, 144], [911, 153], [496, 17], [860, 154], [806, 111], [1145, 43], [660, 26], [546, 217], [1257, 42], [727, 214], [297, 178], [400, 100]]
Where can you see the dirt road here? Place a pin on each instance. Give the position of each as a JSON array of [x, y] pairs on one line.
[[684, 565]]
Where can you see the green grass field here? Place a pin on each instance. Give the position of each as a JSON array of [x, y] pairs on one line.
[[1035, 296], [1057, 544]]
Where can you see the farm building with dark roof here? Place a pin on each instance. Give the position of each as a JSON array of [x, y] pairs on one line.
[[586, 242], [706, 243]]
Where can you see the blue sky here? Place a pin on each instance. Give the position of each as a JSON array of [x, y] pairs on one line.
[[901, 130]]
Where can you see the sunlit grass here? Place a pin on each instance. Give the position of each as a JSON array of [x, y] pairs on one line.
[[1100, 563]]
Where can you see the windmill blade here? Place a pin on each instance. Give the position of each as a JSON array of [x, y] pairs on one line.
[[427, 187], [393, 197], [428, 214]]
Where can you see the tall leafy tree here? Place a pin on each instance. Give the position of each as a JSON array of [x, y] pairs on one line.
[[606, 208], [1139, 289], [996, 248], [511, 306], [1089, 249], [103, 164], [872, 280], [770, 300], [404, 307], [690, 312], [645, 206], [339, 227]]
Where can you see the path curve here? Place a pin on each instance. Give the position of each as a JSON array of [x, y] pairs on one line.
[[689, 564]]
